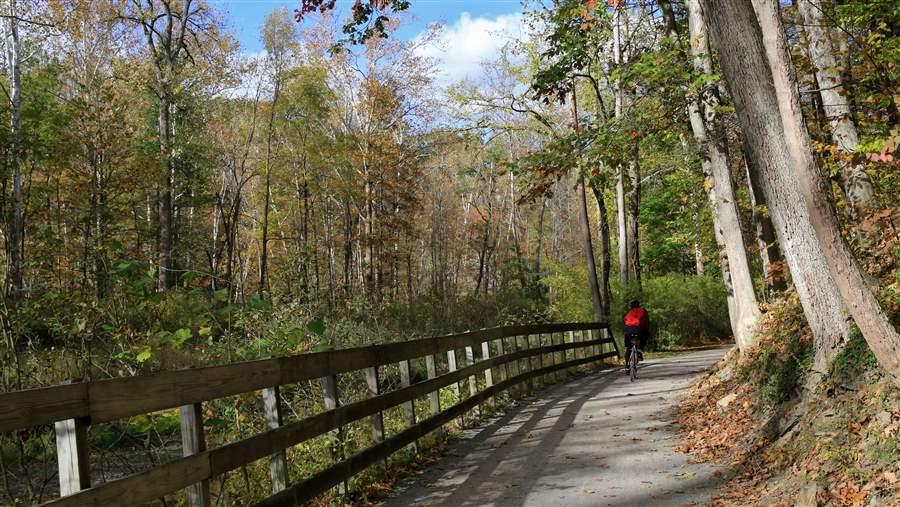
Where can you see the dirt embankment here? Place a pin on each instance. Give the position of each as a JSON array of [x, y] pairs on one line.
[[792, 445]]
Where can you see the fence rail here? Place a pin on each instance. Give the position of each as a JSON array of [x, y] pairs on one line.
[[73, 407]]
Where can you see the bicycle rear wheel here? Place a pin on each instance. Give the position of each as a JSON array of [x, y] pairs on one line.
[[632, 364]]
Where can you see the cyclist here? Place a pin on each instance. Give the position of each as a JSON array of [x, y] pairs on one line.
[[637, 323]]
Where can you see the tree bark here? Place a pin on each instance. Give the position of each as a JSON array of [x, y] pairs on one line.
[[855, 291], [711, 142], [738, 37], [855, 183], [166, 217]]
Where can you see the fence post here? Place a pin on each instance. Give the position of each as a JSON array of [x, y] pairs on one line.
[[194, 442], [274, 419], [558, 374], [503, 369], [435, 396], [540, 358], [336, 437], [409, 408], [473, 382], [516, 369], [528, 363], [581, 339], [485, 355], [377, 419], [72, 455], [451, 366], [549, 378]]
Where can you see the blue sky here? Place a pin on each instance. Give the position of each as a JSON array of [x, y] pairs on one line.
[[246, 16], [474, 30]]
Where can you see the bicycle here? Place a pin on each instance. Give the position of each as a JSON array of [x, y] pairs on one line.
[[632, 355]]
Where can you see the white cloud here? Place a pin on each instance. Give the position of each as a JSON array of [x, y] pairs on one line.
[[462, 47]]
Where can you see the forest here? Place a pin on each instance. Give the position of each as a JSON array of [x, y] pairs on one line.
[[170, 200]]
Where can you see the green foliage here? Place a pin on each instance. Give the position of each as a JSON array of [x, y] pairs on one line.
[[784, 356], [782, 369], [852, 362], [684, 310]]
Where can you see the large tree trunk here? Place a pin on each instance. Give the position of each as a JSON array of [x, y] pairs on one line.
[[743, 59], [621, 234], [858, 296], [588, 245], [711, 142], [855, 183]]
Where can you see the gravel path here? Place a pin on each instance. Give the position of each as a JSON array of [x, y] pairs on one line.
[[598, 440]]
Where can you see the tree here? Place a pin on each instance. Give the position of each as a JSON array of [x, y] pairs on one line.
[[752, 52], [166, 26], [855, 183], [279, 38], [15, 242], [709, 133]]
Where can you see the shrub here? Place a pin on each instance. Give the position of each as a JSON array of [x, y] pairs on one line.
[[852, 362], [684, 310]]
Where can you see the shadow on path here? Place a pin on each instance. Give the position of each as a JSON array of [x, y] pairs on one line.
[[594, 440]]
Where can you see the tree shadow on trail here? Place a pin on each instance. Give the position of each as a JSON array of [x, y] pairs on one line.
[[520, 453]]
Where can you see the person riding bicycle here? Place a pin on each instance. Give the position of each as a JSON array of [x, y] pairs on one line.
[[637, 323]]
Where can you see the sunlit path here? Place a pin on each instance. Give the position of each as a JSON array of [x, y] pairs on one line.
[[597, 440]]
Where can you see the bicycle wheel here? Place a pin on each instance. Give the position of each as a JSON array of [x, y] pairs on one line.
[[632, 364]]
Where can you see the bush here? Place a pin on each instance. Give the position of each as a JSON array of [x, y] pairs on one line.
[[779, 364], [852, 362], [684, 310]]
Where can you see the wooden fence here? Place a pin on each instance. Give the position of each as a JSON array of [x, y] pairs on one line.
[[505, 356]]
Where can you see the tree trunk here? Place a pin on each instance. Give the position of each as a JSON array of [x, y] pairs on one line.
[[597, 303], [738, 38], [632, 218], [711, 142], [621, 234], [15, 245], [855, 291], [587, 243], [166, 218], [264, 248], [769, 252], [604, 254], [855, 183]]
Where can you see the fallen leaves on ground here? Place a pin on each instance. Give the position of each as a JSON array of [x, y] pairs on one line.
[[843, 451]]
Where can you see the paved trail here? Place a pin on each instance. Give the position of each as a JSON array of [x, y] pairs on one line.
[[599, 440]]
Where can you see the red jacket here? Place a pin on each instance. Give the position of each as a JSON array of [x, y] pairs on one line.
[[637, 317]]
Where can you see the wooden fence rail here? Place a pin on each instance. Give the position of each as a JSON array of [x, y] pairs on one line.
[[73, 407]]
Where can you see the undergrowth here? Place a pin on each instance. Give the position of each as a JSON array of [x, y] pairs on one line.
[[834, 445]]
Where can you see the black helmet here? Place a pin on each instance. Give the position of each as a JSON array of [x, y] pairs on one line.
[[635, 303]]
